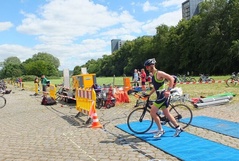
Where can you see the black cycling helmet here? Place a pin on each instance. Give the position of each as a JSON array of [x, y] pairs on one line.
[[150, 62]]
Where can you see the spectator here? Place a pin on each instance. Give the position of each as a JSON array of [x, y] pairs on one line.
[[143, 79], [36, 83], [136, 77], [44, 83]]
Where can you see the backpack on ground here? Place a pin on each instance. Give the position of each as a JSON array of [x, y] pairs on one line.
[[48, 101]]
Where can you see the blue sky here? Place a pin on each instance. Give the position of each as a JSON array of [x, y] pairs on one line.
[[76, 31]]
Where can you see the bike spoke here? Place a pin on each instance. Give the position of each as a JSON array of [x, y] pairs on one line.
[[181, 112], [139, 122]]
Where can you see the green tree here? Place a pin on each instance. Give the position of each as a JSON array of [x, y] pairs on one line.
[[41, 63], [77, 70], [11, 71], [12, 60], [47, 58]]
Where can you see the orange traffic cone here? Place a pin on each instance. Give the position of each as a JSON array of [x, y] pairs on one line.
[[95, 123]]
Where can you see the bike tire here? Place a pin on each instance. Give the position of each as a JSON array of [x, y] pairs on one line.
[[2, 101], [137, 126], [212, 80], [193, 80], [179, 112], [230, 82], [99, 103], [186, 79]]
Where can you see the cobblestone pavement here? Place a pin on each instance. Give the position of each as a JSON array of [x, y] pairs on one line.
[[30, 131]]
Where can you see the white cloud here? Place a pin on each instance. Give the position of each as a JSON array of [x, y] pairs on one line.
[[148, 7], [76, 54], [7, 50], [168, 3], [170, 19], [70, 19], [76, 31], [5, 26]]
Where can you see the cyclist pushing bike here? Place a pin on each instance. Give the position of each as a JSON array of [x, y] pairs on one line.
[[158, 81]]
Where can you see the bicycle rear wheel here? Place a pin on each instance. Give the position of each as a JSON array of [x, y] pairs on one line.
[[211, 80], [2, 101], [193, 80], [139, 121], [183, 115]]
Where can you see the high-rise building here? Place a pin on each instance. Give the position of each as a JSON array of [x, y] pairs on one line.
[[190, 8], [116, 44]]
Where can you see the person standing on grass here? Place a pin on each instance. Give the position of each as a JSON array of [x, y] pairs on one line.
[[136, 77], [161, 102], [36, 83], [44, 83], [143, 80]]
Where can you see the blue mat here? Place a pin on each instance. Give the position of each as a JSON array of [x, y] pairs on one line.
[[187, 147], [217, 125]]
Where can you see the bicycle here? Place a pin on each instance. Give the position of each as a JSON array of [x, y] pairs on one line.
[[104, 98], [184, 78], [233, 80], [3, 101], [205, 78], [140, 121]]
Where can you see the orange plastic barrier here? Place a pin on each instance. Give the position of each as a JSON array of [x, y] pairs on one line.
[[127, 84], [121, 96]]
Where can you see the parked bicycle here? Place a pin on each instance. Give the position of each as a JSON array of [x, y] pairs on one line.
[[140, 121], [100, 98], [104, 98], [3, 87], [205, 78], [184, 78], [2, 101], [233, 80]]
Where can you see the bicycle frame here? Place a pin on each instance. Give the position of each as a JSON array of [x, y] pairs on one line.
[[233, 80], [147, 106], [235, 76], [140, 120]]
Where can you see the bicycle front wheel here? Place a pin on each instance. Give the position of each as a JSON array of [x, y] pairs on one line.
[[230, 82], [2, 101], [211, 80], [99, 103], [139, 121], [182, 114]]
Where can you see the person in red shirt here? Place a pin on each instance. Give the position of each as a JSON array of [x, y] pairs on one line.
[[143, 79]]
